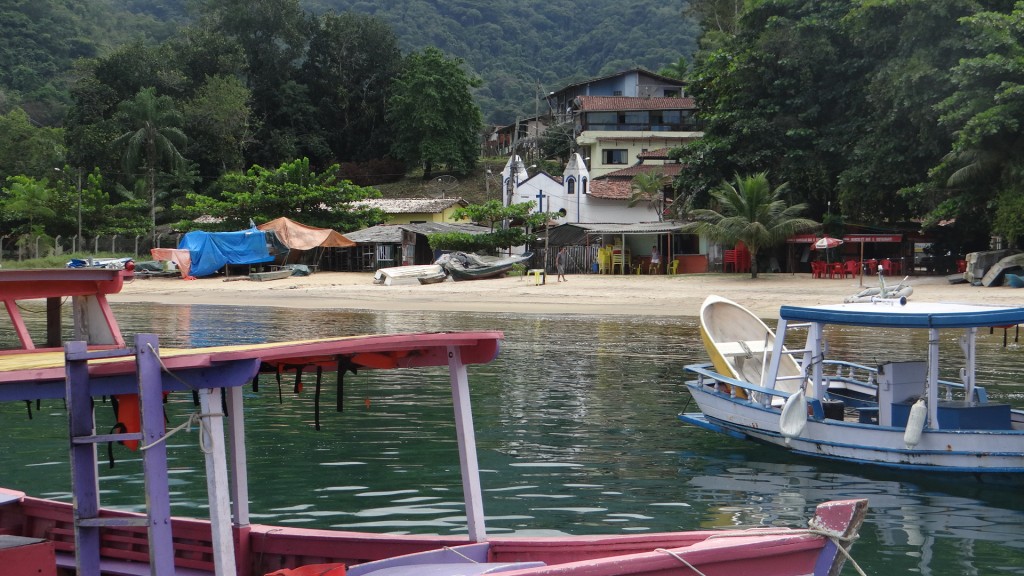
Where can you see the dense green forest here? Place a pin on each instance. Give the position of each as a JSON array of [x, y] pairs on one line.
[[519, 50], [524, 49], [891, 115]]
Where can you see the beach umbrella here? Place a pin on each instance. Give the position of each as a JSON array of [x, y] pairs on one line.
[[826, 242]]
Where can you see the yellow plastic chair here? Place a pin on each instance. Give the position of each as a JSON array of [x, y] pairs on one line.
[[673, 267], [617, 260]]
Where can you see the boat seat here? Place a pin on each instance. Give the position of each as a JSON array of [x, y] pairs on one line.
[[743, 347], [454, 569]]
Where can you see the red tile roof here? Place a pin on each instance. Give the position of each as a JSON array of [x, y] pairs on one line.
[[617, 103], [672, 170], [659, 154], [618, 185], [611, 189]]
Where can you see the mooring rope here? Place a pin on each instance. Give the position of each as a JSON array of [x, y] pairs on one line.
[[814, 528], [194, 419]]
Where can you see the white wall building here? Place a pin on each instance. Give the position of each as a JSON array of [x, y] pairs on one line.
[[573, 192]]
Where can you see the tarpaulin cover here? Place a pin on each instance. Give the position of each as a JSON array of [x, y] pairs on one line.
[[301, 237], [210, 251]]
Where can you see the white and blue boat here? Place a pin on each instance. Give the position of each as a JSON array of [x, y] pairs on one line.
[[902, 414]]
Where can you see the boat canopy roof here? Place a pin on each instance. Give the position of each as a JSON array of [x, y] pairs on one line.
[[890, 313]]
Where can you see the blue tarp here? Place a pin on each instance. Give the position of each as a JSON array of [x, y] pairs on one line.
[[210, 251]]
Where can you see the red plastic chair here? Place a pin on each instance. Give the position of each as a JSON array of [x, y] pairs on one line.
[[852, 268], [872, 266], [817, 269], [961, 266], [886, 264], [836, 270], [729, 260]]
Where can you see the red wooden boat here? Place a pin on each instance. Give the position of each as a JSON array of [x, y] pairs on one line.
[[42, 536]]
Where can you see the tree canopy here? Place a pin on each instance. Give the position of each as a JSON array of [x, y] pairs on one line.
[[432, 112], [750, 211]]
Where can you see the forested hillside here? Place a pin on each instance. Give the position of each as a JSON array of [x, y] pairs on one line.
[[519, 50], [525, 48], [41, 39]]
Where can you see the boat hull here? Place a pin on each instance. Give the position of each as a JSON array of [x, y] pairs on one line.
[[271, 548], [271, 275], [993, 451]]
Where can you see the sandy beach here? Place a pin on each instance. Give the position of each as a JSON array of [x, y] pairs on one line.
[[679, 295]]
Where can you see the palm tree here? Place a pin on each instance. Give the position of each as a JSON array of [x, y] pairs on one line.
[[649, 187], [752, 213], [153, 140]]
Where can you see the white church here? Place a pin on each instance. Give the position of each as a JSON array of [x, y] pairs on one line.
[[575, 193]]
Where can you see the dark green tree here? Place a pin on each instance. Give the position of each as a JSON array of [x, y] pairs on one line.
[[350, 63], [26, 149], [432, 112], [752, 213], [982, 177], [152, 141], [781, 95], [259, 194]]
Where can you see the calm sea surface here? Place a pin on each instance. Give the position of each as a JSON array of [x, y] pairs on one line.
[[577, 432]]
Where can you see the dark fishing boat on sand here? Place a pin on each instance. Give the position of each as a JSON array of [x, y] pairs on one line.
[[462, 266]]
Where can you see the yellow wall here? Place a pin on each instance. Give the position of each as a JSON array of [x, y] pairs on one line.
[[409, 218]]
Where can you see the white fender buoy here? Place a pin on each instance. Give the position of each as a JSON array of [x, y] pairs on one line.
[[915, 423], [794, 416]]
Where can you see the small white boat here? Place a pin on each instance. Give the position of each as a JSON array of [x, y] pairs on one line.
[[907, 416], [408, 274]]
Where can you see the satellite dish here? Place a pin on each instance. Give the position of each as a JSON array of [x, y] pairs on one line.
[[442, 186]]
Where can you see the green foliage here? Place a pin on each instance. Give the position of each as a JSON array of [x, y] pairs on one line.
[[452, 241], [558, 141], [349, 66], [432, 112], [752, 213], [521, 222], [293, 190], [26, 149], [649, 188], [1009, 218], [524, 50], [27, 204], [152, 140]]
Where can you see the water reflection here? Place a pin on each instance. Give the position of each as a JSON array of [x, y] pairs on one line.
[[577, 434]]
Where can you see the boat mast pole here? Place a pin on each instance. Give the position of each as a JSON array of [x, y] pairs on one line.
[[933, 379], [472, 492]]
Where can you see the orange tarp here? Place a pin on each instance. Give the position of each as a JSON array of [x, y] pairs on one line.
[[181, 258], [301, 237]]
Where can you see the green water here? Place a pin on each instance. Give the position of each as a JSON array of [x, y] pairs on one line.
[[576, 432]]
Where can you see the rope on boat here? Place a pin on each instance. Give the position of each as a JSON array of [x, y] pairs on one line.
[[460, 554], [681, 559], [168, 370], [814, 528], [194, 419]]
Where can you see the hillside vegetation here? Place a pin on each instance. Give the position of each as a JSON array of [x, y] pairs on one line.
[[520, 50]]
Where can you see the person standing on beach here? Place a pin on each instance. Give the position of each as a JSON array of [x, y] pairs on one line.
[[560, 261]]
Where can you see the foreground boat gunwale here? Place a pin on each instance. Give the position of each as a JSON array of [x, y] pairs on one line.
[[228, 543]]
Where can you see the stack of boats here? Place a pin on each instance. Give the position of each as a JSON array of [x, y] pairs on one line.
[[38, 535]]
